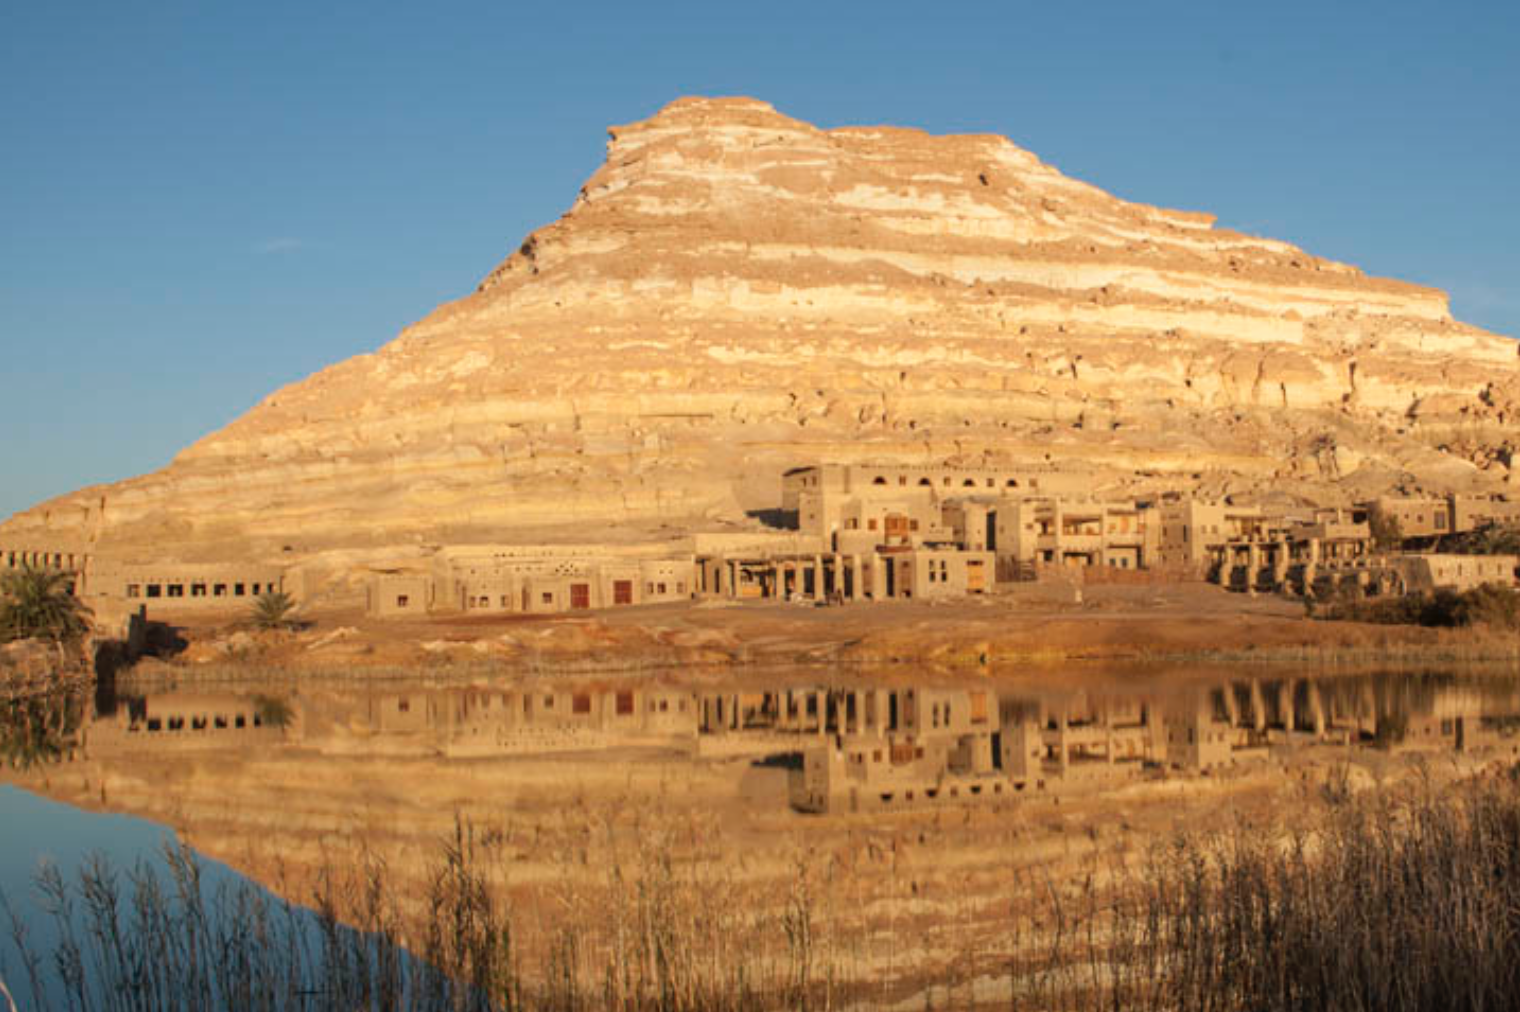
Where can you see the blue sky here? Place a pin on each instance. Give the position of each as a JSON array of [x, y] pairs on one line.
[[202, 202]]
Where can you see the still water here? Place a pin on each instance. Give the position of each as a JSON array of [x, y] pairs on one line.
[[936, 788]]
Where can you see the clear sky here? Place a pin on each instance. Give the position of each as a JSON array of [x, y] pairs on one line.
[[202, 202]]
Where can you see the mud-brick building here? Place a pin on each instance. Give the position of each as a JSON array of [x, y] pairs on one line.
[[1068, 533], [1432, 571], [69, 559], [823, 499], [928, 573], [1430, 517], [1191, 531], [169, 589], [72, 559], [525, 579]]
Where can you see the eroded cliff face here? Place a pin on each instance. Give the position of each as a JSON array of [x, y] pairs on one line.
[[736, 292]]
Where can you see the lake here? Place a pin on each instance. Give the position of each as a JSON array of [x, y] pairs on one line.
[[899, 815]]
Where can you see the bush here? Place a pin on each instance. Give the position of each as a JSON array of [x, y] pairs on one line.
[[271, 610], [39, 603], [1489, 605]]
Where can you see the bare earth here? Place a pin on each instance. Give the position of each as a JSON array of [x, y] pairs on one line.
[[1032, 624]]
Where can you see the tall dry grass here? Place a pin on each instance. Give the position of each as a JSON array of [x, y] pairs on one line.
[[1395, 899]]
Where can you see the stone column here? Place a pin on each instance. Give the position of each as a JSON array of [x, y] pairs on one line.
[[857, 572]]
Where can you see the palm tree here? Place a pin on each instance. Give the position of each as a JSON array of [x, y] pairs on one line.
[[40, 603], [271, 610]]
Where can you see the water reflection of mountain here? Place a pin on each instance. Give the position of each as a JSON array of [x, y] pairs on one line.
[[858, 748]]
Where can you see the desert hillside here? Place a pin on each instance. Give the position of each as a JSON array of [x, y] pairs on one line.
[[735, 292]]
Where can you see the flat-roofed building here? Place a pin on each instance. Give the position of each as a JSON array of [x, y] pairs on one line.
[[817, 498], [1067, 533]]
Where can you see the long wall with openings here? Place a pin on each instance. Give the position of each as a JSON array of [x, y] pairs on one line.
[[170, 587]]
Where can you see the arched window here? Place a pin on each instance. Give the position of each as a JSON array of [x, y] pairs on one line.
[[879, 480], [925, 481], [1013, 483], [969, 483]]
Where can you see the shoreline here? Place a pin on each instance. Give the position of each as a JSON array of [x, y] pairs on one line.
[[1174, 625]]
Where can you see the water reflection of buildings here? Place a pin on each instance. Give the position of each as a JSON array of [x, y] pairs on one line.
[[189, 720], [857, 748], [932, 747], [481, 721]]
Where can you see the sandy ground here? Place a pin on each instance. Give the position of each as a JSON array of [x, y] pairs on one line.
[[1031, 624]]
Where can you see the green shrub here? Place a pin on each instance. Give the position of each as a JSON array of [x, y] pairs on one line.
[[38, 603], [272, 610]]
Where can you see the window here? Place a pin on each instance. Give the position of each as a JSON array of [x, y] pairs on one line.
[[548, 597], [871, 524], [176, 590], [237, 590], [219, 590], [134, 590], [402, 600], [879, 480], [197, 590], [154, 590]]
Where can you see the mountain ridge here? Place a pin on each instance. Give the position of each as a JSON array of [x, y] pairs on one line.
[[735, 291]]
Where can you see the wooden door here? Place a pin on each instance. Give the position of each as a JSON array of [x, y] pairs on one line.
[[976, 577], [580, 595]]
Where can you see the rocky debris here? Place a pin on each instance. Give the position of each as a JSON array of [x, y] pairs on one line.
[[735, 292]]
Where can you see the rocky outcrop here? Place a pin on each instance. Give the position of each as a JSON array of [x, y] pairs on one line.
[[735, 292]]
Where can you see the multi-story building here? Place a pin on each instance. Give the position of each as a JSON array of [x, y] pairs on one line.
[[820, 499], [1067, 533]]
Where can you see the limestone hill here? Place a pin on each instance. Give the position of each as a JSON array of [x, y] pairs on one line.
[[736, 292]]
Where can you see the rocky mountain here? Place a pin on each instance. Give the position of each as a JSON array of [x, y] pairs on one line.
[[735, 292]]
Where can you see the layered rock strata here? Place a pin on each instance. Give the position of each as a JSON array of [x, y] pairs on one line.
[[736, 292]]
